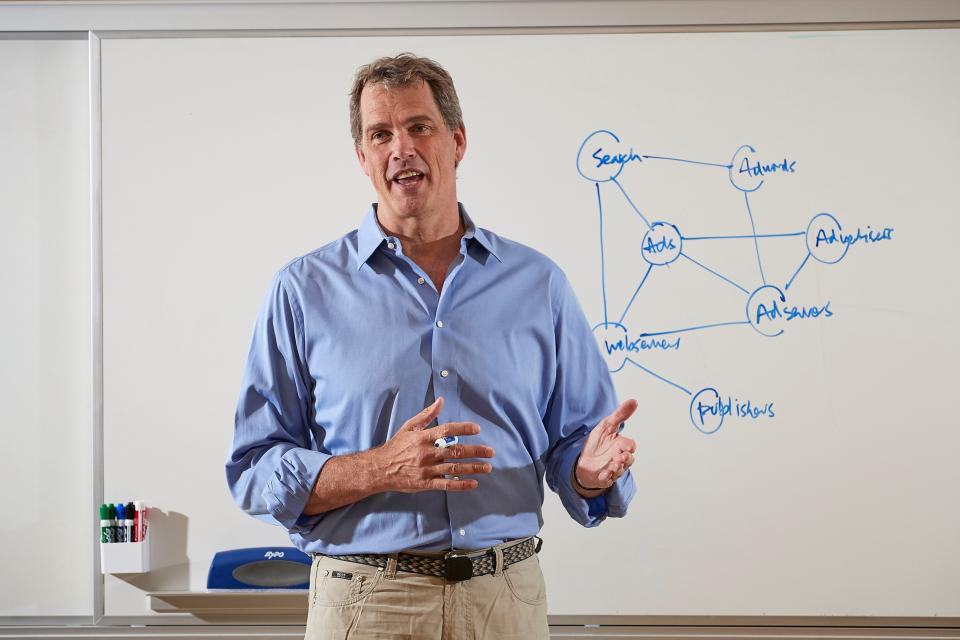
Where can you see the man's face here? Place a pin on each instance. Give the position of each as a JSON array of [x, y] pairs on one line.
[[408, 151]]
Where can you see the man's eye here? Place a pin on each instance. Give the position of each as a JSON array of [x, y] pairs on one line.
[[378, 136], [420, 128]]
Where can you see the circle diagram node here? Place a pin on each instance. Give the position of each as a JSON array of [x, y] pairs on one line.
[[613, 341], [707, 411], [589, 158], [741, 175], [662, 244], [766, 310], [825, 239]]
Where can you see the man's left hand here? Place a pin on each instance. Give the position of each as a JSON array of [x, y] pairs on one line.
[[606, 454]]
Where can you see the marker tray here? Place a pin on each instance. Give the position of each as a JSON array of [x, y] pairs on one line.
[[125, 557]]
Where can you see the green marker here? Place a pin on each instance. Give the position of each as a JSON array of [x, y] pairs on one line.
[[106, 523]]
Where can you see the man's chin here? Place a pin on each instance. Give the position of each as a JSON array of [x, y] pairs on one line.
[[410, 207]]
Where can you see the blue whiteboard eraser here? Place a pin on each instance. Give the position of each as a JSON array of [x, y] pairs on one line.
[[260, 568]]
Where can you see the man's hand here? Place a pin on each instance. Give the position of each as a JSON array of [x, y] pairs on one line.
[[606, 454], [408, 462], [411, 463]]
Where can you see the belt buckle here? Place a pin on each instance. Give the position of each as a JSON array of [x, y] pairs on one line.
[[457, 568]]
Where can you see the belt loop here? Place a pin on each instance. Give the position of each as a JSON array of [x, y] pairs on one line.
[[391, 566], [498, 563]]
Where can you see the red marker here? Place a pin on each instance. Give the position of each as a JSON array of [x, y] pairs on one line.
[[139, 521]]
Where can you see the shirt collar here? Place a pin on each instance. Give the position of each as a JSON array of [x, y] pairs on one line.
[[471, 230], [370, 236]]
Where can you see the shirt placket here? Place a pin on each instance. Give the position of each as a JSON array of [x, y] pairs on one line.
[[442, 356]]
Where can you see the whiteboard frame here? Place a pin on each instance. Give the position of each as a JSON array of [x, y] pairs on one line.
[[654, 625], [96, 304]]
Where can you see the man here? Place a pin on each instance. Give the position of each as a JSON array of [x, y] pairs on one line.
[[420, 308]]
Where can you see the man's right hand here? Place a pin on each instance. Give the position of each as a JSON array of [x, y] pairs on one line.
[[411, 463], [408, 462]]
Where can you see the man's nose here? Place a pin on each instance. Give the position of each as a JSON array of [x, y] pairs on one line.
[[403, 147]]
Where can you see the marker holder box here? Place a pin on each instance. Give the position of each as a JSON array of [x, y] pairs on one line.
[[125, 557]]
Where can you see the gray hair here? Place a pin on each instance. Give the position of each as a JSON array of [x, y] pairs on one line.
[[400, 71]]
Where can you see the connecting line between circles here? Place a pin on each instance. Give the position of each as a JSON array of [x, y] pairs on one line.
[[624, 192], [756, 243], [724, 278], [705, 326], [655, 375], [709, 164], [795, 273], [603, 273], [624, 314], [759, 235]]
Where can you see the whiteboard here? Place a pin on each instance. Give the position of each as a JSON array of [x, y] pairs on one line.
[[224, 158]]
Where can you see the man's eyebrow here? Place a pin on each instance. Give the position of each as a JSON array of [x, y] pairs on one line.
[[384, 125], [418, 118], [375, 125]]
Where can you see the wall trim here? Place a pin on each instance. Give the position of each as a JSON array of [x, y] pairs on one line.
[[232, 15]]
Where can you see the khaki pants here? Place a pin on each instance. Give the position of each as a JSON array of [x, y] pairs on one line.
[[349, 600]]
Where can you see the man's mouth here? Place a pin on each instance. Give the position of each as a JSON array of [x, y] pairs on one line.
[[408, 177]]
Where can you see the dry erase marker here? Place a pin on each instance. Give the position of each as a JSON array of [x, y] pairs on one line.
[[112, 514], [121, 530], [446, 441], [128, 521], [106, 524], [137, 521], [141, 518]]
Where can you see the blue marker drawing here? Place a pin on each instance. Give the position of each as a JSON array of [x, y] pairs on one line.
[[756, 242], [794, 276], [603, 273], [698, 328], [659, 377], [604, 157], [749, 237], [709, 164], [624, 192], [634, 296], [715, 273]]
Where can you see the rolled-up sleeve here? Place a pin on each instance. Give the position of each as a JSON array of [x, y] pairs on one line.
[[583, 395], [274, 460]]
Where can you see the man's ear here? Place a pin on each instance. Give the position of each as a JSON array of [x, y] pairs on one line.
[[362, 158], [460, 138]]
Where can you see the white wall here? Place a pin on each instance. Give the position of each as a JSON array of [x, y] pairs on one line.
[[47, 469]]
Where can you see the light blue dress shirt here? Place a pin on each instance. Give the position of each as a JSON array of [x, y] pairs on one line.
[[353, 339]]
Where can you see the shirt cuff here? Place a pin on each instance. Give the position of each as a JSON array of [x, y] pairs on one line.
[[287, 493], [592, 511]]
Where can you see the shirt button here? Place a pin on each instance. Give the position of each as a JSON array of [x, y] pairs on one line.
[[420, 280], [444, 373], [391, 246], [462, 532], [440, 324]]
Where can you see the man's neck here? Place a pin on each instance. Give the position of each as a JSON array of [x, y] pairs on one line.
[[424, 227], [432, 242]]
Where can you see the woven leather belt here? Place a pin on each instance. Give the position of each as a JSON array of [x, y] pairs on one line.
[[454, 566]]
